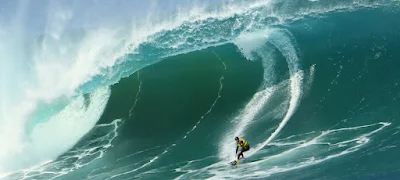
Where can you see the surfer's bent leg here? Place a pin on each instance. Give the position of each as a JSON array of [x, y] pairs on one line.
[[240, 153], [243, 149]]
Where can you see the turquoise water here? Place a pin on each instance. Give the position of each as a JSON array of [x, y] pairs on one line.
[[313, 86]]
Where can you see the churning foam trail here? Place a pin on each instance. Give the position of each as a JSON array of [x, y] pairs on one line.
[[296, 92], [281, 40], [245, 117], [250, 43]]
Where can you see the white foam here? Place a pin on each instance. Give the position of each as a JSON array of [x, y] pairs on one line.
[[273, 164], [48, 70], [311, 76], [76, 158], [245, 43], [67, 126], [252, 46], [361, 140], [281, 41], [244, 119], [251, 42], [295, 85]]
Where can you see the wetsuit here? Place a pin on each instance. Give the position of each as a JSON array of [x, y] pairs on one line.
[[242, 146]]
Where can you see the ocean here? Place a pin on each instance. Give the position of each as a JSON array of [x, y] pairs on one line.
[[312, 85]]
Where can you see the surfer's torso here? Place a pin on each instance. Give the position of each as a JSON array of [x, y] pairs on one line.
[[242, 143]]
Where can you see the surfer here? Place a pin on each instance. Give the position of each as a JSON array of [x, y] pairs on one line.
[[242, 146]]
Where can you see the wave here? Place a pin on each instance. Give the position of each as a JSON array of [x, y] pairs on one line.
[[63, 64]]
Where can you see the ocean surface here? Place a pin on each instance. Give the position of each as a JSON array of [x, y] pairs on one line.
[[312, 85]]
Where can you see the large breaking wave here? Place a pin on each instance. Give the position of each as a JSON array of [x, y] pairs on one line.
[[56, 83]]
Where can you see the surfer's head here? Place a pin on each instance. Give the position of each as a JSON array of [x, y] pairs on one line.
[[236, 139]]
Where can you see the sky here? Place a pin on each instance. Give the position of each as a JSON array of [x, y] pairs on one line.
[[33, 14]]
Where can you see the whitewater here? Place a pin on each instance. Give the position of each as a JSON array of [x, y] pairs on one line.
[[161, 88]]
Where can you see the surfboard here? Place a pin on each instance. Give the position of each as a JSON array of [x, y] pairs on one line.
[[237, 162], [233, 163]]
